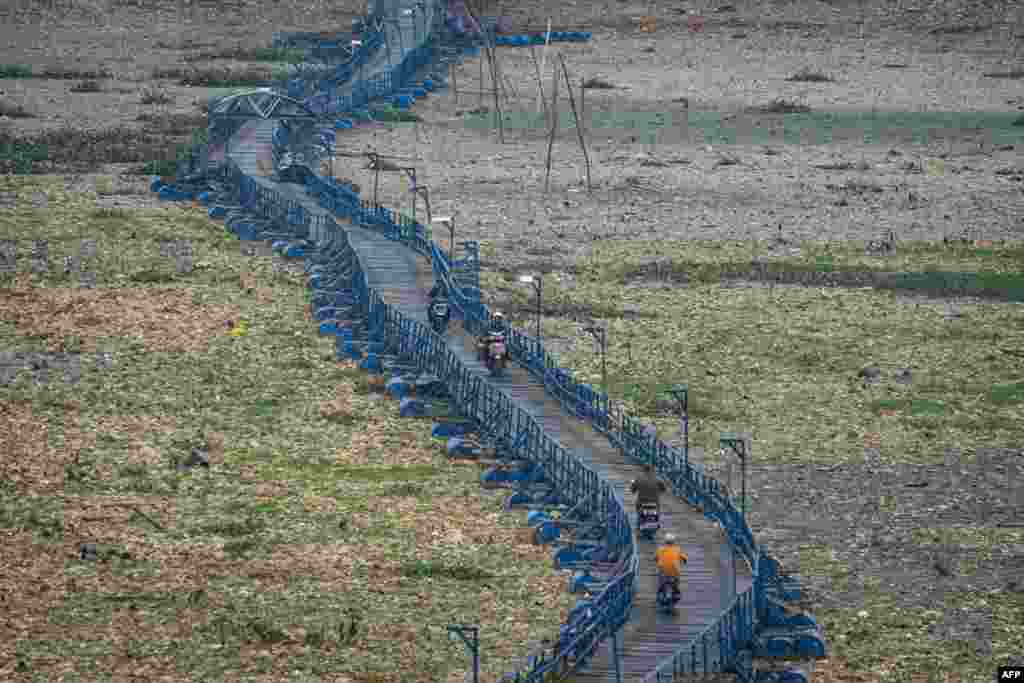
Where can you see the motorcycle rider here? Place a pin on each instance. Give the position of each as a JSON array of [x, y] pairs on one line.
[[497, 324], [496, 327], [438, 293], [670, 558], [439, 290], [648, 488]]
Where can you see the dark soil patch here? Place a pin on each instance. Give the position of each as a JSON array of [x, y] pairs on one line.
[[225, 77], [781, 106], [1015, 75], [49, 151], [960, 29], [598, 83], [998, 286], [810, 77], [833, 504], [15, 111]]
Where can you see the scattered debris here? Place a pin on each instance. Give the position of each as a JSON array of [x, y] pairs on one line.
[[806, 76], [780, 106], [727, 160], [598, 83], [886, 246], [197, 458], [870, 374]]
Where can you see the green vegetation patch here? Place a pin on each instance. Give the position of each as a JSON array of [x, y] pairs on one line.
[[1007, 393], [42, 516], [15, 71], [783, 363]]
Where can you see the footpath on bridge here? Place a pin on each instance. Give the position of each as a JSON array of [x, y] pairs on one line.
[[403, 279]]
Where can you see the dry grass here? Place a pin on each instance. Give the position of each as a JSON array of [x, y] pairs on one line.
[[224, 77], [307, 544], [162, 320]]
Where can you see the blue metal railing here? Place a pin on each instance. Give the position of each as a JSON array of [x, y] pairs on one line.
[[735, 627]]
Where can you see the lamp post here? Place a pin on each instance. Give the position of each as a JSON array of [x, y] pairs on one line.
[[411, 172], [359, 64], [681, 393], [421, 190], [738, 445], [472, 643], [537, 285], [600, 335], [450, 222]]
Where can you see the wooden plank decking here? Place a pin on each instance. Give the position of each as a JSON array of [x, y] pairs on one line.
[[403, 278]]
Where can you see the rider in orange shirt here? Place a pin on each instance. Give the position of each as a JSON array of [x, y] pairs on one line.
[[670, 558]]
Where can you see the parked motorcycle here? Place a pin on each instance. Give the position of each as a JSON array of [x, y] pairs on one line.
[[649, 521]]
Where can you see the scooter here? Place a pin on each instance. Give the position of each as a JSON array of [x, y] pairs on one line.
[[439, 316], [649, 521], [666, 598], [493, 354]]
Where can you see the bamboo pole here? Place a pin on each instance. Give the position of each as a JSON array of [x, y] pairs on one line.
[[554, 124], [544, 56], [455, 83], [540, 82], [495, 80], [579, 120], [497, 102], [582, 108]]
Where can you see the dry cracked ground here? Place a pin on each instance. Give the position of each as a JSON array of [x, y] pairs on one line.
[[887, 428]]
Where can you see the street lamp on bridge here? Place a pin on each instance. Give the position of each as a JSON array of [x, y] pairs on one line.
[[681, 393], [537, 285], [472, 642], [600, 335], [450, 222]]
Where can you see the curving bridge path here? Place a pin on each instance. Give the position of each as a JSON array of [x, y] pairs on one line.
[[403, 279], [712, 578]]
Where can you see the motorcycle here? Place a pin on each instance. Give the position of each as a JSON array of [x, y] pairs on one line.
[[667, 598], [439, 316], [649, 521], [493, 353]]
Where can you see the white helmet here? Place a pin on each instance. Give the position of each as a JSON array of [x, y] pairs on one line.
[[670, 538], [498, 315]]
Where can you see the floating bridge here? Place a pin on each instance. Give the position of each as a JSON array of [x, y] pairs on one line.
[[556, 445]]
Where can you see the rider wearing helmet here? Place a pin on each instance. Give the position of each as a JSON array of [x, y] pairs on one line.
[[648, 488], [496, 327], [670, 558], [438, 294], [439, 290]]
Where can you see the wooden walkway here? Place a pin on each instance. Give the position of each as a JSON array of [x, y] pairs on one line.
[[403, 278]]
